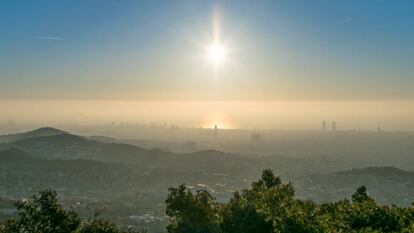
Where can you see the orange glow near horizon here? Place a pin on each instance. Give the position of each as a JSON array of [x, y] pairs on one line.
[[390, 115], [222, 121]]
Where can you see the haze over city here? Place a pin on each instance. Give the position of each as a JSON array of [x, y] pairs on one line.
[[206, 116]]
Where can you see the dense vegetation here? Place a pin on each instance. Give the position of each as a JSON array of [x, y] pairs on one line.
[[44, 214], [268, 206]]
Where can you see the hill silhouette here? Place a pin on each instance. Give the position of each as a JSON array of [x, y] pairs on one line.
[[41, 132], [55, 144]]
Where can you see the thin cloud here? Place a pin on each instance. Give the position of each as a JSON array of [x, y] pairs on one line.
[[48, 38], [347, 20]]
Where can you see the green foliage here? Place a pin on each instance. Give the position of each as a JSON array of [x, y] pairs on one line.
[[241, 215], [270, 206], [98, 225], [192, 213], [43, 213]]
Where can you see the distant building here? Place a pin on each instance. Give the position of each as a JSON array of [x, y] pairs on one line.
[[256, 137], [333, 126], [215, 131], [11, 124], [323, 125]]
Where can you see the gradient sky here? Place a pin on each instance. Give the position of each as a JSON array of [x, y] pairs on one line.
[[288, 64], [154, 50]]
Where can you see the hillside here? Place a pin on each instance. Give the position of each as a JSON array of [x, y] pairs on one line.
[[22, 175], [68, 147], [103, 173], [385, 184], [41, 132]]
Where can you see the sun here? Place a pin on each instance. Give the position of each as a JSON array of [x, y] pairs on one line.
[[216, 53], [222, 121]]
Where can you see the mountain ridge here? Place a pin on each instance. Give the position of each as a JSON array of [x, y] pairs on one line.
[[40, 132]]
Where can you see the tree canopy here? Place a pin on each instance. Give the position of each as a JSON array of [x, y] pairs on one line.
[[43, 213], [270, 205]]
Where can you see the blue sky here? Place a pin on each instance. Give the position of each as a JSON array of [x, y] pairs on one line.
[[153, 50]]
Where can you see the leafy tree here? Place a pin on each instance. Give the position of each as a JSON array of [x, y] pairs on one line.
[[241, 215], [361, 195], [270, 206], [98, 225], [192, 213], [42, 213]]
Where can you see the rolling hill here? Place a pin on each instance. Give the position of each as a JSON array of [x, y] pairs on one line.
[[41, 132], [385, 184]]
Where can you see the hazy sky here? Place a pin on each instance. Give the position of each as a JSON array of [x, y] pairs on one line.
[[277, 50], [364, 115], [156, 51]]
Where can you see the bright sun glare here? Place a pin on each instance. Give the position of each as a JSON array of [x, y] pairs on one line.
[[222, 121], [216, 53]]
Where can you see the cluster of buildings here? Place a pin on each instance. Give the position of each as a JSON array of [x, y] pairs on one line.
[[333, 126]]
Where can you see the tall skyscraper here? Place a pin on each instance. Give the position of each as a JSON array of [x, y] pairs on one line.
[[333, 126]]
